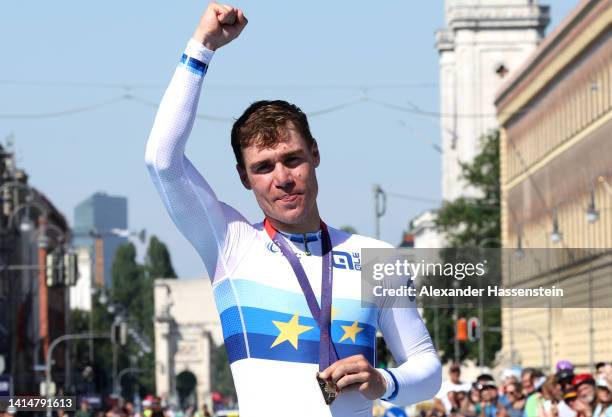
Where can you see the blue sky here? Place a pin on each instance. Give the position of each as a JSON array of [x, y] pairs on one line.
[[68, 55]]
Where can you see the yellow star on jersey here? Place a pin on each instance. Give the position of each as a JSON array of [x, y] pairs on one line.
[[350, 332], [289, 331], [334, 311]]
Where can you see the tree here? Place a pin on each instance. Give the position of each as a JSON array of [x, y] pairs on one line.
[[349, 229], [158, 260], [472, 222], [133, 289], [475, 221], [222, 374]]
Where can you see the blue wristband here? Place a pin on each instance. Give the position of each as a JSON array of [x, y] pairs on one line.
[[193, 65], [395, 390]]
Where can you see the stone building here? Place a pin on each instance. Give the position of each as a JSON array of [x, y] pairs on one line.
[[483, 42], [556, 175], [187, 330]]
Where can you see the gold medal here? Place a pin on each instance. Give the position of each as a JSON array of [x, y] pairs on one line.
[[328, 389]]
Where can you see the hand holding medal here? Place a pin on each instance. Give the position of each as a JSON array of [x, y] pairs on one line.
[[352, 373]]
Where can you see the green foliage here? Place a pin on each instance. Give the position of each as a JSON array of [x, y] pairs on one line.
[[158, 260], [349, 229], [132, 291], [470, 222], [222, 374]]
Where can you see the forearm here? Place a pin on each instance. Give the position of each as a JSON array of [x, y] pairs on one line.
[[190, 201], [176, 113], [417, 379], [419, 375]]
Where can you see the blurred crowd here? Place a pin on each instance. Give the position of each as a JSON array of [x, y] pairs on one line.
[[527, 393], [151, 407]]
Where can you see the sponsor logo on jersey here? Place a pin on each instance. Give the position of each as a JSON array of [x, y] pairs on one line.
[[340, 259], [346, 260], [272, 247]]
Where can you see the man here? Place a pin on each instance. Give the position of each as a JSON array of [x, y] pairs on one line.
[[488, 404], [584, 384], [604, 399], [528, 380], [600, 370], [84, 410], [564, 379], [452, 385], [273, 280]]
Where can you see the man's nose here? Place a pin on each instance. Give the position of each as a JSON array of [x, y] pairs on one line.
[[282, 176]]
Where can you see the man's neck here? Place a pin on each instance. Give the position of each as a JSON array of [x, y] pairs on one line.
[[312, 225]]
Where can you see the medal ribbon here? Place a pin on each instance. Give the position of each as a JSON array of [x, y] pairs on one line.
[[322, 315]]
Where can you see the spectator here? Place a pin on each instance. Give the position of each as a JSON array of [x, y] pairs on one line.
[[604, 399], [565, 365], [584, 384], [487, 407], [564, 384], [453, 384], [84, 409], [551, 395], [515, 399], [600, 370], [528, 379], [128, 409], [534, 397], [508, 378]]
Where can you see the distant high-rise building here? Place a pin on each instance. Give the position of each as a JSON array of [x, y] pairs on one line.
[[94, 220]]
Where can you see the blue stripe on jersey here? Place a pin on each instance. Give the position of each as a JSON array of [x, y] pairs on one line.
[[262, 322], [248, 311], [307, 352], [253, 294], [193, 65]]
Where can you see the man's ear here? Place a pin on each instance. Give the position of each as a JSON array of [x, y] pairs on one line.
[[314, 150], [244, 179]]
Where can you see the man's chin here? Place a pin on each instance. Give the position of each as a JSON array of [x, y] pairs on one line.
[[288, 216]]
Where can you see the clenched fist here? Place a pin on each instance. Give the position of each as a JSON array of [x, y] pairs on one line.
[[219, 25]]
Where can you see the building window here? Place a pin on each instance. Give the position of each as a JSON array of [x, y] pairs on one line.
[[501, 70]]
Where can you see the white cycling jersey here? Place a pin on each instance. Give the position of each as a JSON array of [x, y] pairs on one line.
[[271, 338]]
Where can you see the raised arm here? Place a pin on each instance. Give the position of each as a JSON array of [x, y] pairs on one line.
[[190, 201]]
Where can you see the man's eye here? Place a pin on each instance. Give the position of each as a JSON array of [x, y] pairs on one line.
[[261, 169], [293, 161]]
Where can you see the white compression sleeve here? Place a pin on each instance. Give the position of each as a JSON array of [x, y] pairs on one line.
[[189, 199]]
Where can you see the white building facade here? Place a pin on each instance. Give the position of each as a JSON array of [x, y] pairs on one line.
[[80, 294], [483, 42]]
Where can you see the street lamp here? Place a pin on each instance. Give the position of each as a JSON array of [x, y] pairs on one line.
[[556, 236], [592, 214]]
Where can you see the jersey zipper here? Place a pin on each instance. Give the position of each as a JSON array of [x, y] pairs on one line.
[[306, 245]]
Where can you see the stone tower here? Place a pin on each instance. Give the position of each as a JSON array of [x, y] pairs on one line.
[[483, 43]]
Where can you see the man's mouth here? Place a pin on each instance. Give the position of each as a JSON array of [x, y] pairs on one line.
[[289, 198]]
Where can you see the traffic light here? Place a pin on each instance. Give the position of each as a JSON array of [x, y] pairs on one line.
[[71, 269], [52, 270], [473, 329], [461, 332], [120, 333], [123, 333]]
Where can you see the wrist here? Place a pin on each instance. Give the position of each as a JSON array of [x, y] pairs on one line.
[[391, 386], [201, 37], [198, 51]]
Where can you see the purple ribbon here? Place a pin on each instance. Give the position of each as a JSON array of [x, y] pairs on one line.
[[322, 315]]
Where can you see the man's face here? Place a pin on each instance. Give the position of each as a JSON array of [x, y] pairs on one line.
[[283, 179], [527, 381], [586, 393], [455, 375]]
